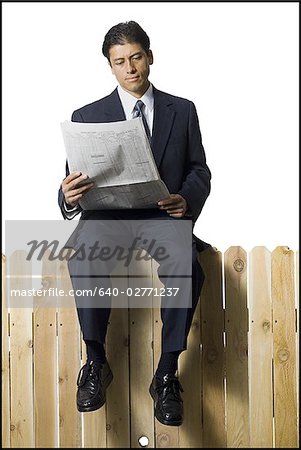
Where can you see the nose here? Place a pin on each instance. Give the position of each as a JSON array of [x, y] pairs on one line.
[[130, 68]]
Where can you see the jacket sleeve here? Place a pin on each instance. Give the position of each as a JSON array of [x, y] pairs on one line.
[[67, 211], [196, 185]]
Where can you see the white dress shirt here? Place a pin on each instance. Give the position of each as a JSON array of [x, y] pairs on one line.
[[128, 102]]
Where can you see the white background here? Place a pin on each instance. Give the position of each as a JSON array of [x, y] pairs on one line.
[[238, 62]]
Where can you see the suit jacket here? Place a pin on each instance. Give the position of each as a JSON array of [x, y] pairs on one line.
[[176, 145]]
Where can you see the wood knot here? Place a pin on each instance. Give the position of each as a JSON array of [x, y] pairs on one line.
[[283, 354], [12, 427], [108, 427], [62, 268], [243, 351], [30, 343], [163, 440], [46, 282], [238, 265], [212, 355], [266, 325]]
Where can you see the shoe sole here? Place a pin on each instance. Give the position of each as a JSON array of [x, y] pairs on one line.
[[106, 383], [175, 423]]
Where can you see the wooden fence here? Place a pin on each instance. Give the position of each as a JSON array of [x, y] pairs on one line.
[[239, 373]]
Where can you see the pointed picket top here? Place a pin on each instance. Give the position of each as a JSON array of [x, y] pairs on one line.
[[19, 263], [235, 272], [235, 263], [211, 262], [282, 272], [258, 248], [282, 249]]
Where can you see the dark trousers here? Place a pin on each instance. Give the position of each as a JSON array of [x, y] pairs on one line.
[[169, 241]]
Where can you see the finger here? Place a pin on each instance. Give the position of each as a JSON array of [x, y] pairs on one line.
[[177, 215], [74, 183], [163, 199], [167, 201], [170, 201], [73, 201], [82, 179], [76, 194], [173, 211], [172, 206], [84, 188], [72, 176], [81, 190]]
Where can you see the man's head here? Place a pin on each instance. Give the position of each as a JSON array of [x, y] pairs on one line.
[[126, 46]]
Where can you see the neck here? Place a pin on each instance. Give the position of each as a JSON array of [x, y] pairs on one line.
[[141, 92]]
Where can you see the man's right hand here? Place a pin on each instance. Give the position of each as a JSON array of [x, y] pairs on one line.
[[72, 192]]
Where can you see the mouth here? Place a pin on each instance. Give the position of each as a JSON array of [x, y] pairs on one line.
[[132, 79]]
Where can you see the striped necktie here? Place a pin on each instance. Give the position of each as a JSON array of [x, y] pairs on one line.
[[138, 113]]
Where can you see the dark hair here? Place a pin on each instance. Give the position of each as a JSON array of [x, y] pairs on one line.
[[123, 32]]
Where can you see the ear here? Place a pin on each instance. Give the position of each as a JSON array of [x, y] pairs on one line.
[[150, 57]]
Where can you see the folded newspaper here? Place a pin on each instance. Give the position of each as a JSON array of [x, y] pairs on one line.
[[117, 156]]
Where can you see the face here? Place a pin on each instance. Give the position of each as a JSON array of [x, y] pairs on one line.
[[130, 65]]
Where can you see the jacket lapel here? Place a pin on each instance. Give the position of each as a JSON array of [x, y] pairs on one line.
[[114, 110], [163, 119]]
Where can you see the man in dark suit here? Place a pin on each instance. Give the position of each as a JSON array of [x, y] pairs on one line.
[[171, 124]]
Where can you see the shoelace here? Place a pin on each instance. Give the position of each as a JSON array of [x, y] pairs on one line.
[[171, 386], [85, 371]]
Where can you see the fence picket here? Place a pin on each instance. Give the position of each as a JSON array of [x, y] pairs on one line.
[[284, 340], [298, 337], [118, 396], [212, 320], [21, 342], [141, 358], [45, 360], [94, 422], [190, 433], [164, 436], [5, 362], [70, 434], [236, 327], [260, 349]]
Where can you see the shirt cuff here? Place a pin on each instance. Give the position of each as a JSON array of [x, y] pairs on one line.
[[70, 211], [69, 208]]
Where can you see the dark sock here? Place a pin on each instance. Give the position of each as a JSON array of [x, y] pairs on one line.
[[95, 351], [168, 363]]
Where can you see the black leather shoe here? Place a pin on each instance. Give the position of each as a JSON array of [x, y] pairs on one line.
[[168, 401], [93, 380]]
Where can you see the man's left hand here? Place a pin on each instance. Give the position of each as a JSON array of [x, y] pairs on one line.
[[175, 205]]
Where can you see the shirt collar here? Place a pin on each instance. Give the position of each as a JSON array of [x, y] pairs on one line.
[[128, 100]]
